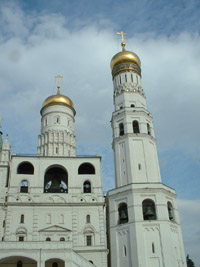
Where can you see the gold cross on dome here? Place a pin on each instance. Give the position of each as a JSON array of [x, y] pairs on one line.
[[122, 38], [58, 86]]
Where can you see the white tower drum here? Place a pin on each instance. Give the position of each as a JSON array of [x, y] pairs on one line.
[[57, 126], [144, 228]]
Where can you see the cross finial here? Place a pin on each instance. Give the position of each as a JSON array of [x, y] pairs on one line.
[[58, 86], [122, 38]]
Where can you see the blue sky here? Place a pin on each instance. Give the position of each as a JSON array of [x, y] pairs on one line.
[[40, 39]]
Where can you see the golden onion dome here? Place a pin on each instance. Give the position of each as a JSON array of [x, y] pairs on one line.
[[58, 99], [124, 57]]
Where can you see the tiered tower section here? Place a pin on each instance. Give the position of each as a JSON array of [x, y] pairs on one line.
[[57, 127], [143, 221]]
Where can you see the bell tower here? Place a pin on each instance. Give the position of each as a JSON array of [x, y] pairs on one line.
[[57, 126], [144, 227]]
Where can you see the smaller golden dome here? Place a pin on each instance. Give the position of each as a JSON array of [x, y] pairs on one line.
[[124, 57], [58, 99]]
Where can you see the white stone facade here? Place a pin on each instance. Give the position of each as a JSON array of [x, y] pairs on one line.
[[52, 205], [142, 218]]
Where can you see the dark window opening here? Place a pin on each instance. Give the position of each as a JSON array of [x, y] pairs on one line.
[[170, 211], [55, 264], [91, 262], [86, 168], [148, 129], [132, 105], [86, 187], [121, 129], [22, 218], [88, 218], [48, 239], [24, 186], [25, 168], [149, 210], [136, 128], [21, 238], [123, 213], [88, 240], [19, 264], [124, 251], [125, 78], [153, 248], [56, 181], [139, 166], [62, 239]]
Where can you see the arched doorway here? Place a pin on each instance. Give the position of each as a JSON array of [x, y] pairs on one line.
[[17, 261], [54, 263], [56, 180]]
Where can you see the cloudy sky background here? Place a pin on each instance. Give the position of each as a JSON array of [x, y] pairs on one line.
[[40, 39]]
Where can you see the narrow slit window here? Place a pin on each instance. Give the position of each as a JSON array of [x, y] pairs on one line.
[[125, 78], [22, 218], [139, 166], [153, 248], [132, 78], [121, 129]]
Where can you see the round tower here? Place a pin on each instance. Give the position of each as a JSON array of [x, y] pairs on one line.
[[134, 142], [57, 126]]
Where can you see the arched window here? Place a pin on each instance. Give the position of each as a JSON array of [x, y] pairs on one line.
[[132, 105], [86, 168], [25, 168], [170, 211], [88, 218], [87, 187], [55, 264], [121, 129], [148, 129], [22, 218], [48, 239], [123, 213], [24, 186], [56, 181], [136, 128], [88, 240], [19, 264], [62, 239], [149, 210], [91, 262]]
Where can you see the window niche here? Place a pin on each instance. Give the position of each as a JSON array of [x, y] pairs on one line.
[[25, 168], [87, 218], [136, 128], [170, 211], [22, 218], [149, 209], [86, 187], [148, 129], [123, 213], [86, 168], [121, 129], [24, 186], [88, 240]]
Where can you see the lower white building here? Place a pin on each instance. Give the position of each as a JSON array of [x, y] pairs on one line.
[[52, 205]]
